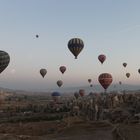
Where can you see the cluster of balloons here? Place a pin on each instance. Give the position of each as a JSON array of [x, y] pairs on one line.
[[75, 45], [62, 69]]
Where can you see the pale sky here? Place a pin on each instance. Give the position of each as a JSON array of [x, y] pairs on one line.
[[110, 27]]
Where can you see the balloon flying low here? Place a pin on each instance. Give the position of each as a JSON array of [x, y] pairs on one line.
[[105, 79], [59, 83], [82, 92], [4, 60], [75, 45]]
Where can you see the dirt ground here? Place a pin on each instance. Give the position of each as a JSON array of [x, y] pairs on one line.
[[72, 129]]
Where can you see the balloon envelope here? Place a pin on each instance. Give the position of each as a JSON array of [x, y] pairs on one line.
[[75, 45], [62, 69], [59, 83], [124, 64], [82, 92], [102, 58], [120, 82], [89, 80], [43, 72], [4, 60], [138, 70], [55, 96], [76, 94], [105, 79], [127, 75], [37, 36]]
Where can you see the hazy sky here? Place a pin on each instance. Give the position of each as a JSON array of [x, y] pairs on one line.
[[110, 27]]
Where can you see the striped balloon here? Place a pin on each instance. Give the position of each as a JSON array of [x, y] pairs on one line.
[[75, 45], [4, 60], [105, 79]]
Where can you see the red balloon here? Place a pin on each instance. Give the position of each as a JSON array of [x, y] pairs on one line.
[[102, 58], [105, 79], [82, 92], [62, 69], [59, 83]]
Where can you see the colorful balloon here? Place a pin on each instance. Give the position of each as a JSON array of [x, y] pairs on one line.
[[4, 60], [75, 45], [127, 75], [102, 58], [43, 72], [59, 83], [105, 79], [82, 92], [124, 64], [62, 69]]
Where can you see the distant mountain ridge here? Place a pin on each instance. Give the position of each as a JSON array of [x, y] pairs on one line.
[[95, 88]]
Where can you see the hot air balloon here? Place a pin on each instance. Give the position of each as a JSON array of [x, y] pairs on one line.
[[37, 36], [120, 82], [55, 96], [102, 58], [4, 60], [43, 72], [82, 92], [62, 69], [138, 70], [127, 75], [75, 45], [59, 83], [91, 85], [76, 94], [124, 64], [89, 80], [105, 79]]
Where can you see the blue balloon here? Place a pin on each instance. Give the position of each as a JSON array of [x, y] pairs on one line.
[[55, 94]]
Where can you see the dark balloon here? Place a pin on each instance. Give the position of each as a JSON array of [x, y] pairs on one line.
[[76, 94], [124, 64], [138, 70], [4, 60], [127, 75], [102, 58], [75, 45], [59, 83], [120, 82], [82, 92], [37, 36], [91, 85], [105, 79], [43, 72], [62, 69], [89, 80]]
